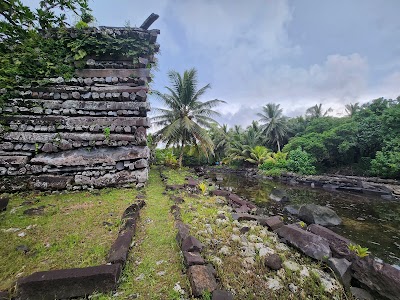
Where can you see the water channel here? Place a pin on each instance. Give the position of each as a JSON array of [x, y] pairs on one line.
[[369, 221]]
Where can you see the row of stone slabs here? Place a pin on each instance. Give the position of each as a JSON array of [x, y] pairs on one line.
[[201, 276], [80, 282]]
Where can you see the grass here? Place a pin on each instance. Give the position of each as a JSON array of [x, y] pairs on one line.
[[155, 251], [69, 234]]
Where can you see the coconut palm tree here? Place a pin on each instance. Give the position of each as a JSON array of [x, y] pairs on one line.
[[275, 125], [220, 138], [317, 112], [351, 109], [185, 117]]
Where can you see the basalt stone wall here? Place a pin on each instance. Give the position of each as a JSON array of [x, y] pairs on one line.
[[85, 132]]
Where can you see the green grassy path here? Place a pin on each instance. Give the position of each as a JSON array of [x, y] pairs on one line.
[[154, 265]]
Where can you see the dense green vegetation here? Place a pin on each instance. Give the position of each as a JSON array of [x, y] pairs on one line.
[[365, 142], [39, 44]]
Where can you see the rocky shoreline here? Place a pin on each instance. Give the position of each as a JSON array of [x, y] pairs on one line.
[[388, 189], [365, 277]]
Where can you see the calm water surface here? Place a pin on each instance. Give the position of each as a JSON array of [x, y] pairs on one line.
[[368, 221]]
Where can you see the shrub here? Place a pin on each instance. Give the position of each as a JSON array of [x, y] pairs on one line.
[[387, 162], [301, 162]]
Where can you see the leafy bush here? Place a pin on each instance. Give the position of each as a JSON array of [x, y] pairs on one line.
[[301, 162], [274, 172], [387, 162], [165, 157]]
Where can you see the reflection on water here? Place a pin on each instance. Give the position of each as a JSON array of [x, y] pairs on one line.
[[368, 221]]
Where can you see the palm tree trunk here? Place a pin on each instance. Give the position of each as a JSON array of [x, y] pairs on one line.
[[279, 146], [181, 154]]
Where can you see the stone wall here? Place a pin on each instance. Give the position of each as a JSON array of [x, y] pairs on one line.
[[85, 132]]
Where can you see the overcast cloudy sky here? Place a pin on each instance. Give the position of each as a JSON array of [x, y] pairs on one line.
[[295, 53]]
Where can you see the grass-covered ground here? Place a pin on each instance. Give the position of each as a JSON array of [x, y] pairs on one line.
[[154, 267], [71, 233], [74, 230]]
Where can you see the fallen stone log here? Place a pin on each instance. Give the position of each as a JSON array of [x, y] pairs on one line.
[[307, 242], [69, 283]]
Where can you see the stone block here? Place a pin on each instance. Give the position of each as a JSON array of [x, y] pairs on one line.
[[307, 242], [378, 276], [183, 232], [342, 269], [3, 203], [119, 251], [201, 280], [191, 244], [68, 283], [192, 258], [239, 201], [338, 244], [272, 223]]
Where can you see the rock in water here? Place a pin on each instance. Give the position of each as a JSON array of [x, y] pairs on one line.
[[316, 214], [278, 195]]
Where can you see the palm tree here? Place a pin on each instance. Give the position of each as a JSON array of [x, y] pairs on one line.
[[275, 127], [351, 109], [258, 155], [317, 112], [184, 120], [220, 138]]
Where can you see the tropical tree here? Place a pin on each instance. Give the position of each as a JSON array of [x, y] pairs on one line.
[[316, 111], [220, 137], [243, 141], [351, 109], [185, 118], [258, 155], [275, 124]]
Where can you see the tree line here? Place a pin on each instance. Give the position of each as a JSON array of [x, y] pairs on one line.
[[364, 142]]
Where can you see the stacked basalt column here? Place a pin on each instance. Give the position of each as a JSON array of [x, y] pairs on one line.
[[85, 132]]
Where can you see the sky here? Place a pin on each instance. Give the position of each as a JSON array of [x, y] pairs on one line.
[[254, 52]]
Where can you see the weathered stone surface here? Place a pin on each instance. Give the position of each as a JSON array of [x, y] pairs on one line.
[[3, 203], [378, 276], [4, 296], [273, 261], [316, 214], [106, 156], [68, 283], [342, 269], [292, 209], [113, 73], [192, 258], [106, 121], [114, 179], [35, 211], [338, 244], [244, 209], [201, 280], [119, 251], [46, 182], [360, 294], [239, 201], [222, 295], [221, 193], [13, 160], [183, 232], [244, 217], [191, 244], [191, 182], [272, 223], [307, 242], [278, 195]]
